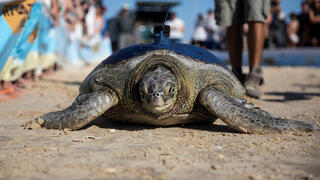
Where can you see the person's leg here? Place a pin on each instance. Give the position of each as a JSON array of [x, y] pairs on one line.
[[256, 13], [314, 41], [234, 46], [114, 45], [255, 48], [255, 43], [230, 13], [122, 40], [26, 78], [9, 90], [304, 36], [4, 91]]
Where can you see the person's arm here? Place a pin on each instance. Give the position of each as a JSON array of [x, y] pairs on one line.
[[183, 28], [180, 26], [289, 28], [313, 18], [55, 11]]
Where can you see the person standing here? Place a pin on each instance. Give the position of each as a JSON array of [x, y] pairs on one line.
[[212, 31], [177, 28], [199, 35], [292, 31], [114, 33], [314, 18], [277, 33], [304, 24], [125, 26], [233, 14]]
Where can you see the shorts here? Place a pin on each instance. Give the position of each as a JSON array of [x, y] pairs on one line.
[[238, 12]]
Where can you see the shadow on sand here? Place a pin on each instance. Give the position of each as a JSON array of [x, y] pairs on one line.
[[291, 96], [101, 122], [307, 86]]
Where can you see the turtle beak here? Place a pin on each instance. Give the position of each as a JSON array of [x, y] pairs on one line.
[[156, 99]]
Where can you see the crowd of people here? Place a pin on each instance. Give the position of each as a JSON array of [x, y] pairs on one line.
[[206, 33], [39, 36], [298, 30]]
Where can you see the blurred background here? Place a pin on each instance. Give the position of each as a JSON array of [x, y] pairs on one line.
[[40, 36], [188, 10]]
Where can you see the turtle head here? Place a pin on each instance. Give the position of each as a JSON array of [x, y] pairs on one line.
[[158, 90]]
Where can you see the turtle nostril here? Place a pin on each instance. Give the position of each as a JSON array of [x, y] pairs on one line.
[[155, 94]]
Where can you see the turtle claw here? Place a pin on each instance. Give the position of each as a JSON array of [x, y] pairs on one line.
[[34, 124]]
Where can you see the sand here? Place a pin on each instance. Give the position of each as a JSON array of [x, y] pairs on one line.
[[117, 151]]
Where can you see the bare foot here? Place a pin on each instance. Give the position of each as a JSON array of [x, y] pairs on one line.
[[20, 91], [10, 92], [4, 98], [47, 72], [25, 81]]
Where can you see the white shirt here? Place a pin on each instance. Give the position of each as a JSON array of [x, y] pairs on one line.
[[199, 33], [212, 28], [175, 28], [90, 20]]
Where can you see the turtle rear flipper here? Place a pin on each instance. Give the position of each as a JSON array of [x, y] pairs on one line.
[[84, 109], [245, 117]]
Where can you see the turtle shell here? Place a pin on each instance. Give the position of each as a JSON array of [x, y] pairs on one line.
[[183, 49]]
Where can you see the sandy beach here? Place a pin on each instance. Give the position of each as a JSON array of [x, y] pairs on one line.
[[107, 150]]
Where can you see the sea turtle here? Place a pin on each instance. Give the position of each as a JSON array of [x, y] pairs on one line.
[[165, 84]]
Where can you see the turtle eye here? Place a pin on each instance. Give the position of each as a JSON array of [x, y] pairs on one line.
[[143, 88]]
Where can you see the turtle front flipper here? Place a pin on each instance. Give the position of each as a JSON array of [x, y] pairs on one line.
[[84, 109], [245, 117]]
